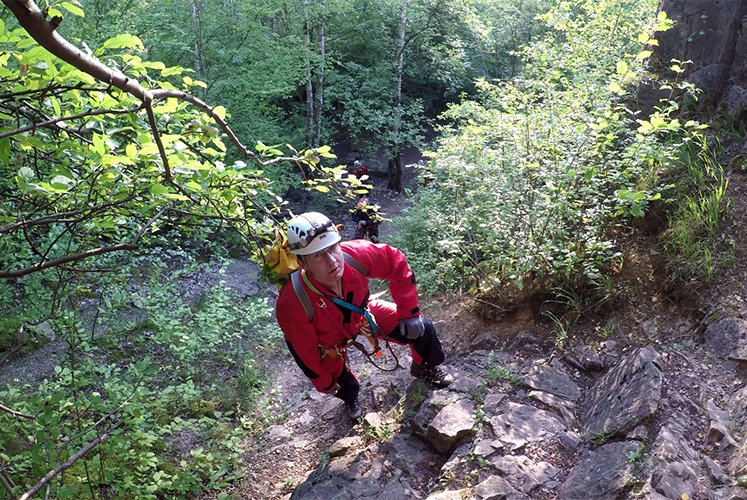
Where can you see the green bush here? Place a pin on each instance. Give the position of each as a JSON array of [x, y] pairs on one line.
[[535, 180]]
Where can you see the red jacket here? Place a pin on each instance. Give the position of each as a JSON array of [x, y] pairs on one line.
[[332, 325]]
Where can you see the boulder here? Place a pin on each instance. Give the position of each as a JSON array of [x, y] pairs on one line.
[[451, 425], [624, 396], [601, 474], [727, 338]]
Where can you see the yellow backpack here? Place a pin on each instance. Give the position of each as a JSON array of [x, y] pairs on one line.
[[278, 261]]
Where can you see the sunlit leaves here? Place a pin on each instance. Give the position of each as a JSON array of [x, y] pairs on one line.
[[532, 177], [71, 6], [123, 41], [103, 154]]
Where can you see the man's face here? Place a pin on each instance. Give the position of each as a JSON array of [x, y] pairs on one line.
[[326, 265]]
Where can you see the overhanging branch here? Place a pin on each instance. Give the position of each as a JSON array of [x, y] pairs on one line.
[[32, 19], [64, 260], [63, 466]]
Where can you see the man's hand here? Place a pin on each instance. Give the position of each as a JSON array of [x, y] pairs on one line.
[[412, 328]]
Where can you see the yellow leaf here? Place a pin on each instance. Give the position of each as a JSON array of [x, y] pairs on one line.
[[615, 87], [685, 496], [220, 111]]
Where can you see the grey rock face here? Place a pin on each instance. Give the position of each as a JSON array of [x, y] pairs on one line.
[[710, 34], [496, 488], [601, 474], [676, 466], [521, 424], [554, 380], [727, 338], [628, 393], [502, 442]]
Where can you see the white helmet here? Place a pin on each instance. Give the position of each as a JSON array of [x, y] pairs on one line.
[[310, 232]]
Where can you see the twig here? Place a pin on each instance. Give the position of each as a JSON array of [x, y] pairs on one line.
[[53, 121], [16, 413], [500, 309], [6, 481], [62, 467]]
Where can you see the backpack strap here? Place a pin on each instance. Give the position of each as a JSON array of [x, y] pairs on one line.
[[350, 260], [303, 297]]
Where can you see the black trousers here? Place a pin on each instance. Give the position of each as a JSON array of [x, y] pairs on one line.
[[427, 346]]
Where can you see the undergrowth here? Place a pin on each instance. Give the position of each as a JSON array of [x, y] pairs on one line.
[[165, 385]]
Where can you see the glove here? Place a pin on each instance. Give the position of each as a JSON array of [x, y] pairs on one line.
[[412, 328]]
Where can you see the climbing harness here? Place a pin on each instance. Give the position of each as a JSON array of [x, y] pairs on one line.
[[369, 330]]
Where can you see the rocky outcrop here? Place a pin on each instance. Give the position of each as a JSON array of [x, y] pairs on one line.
[[710, 35], [624, 396], [599, 423]]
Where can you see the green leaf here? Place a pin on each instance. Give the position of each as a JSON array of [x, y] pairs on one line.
[[158, 189], [29, 142], [26, 173], [219, 144], [82, 76], [72, 8], [175, 70], [177, 196], [158, 65], [124, 41], [644, 54], [131, 150], [5, 151], [98, 145], [169, 106], [616, 88], [622, 68]]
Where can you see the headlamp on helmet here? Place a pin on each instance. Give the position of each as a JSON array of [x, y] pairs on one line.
[[311, 232]]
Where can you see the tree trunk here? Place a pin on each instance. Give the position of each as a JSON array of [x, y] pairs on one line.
[[395, 164], [309, 81], [319, 91], [394, 168], [197, 51]]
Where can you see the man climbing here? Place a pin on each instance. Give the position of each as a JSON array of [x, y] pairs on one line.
[[325, 305], [359, 169], [367, 219]]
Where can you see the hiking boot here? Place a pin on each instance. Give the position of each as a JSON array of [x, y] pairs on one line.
[[436, 376], [355, 411]]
